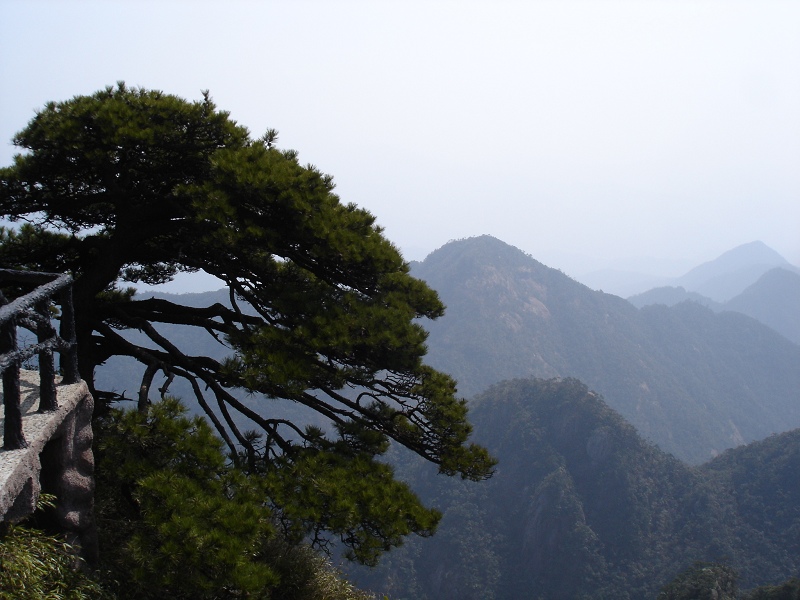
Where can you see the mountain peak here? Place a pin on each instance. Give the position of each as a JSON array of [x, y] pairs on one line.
[[731, 272], [481, 245], [752, 253], [746, 255], [463, 258]]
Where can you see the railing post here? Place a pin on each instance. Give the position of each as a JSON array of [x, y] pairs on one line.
[[13, 438], [68, 359], [47, 385]]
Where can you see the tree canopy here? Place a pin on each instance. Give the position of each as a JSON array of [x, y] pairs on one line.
[[130, 186]]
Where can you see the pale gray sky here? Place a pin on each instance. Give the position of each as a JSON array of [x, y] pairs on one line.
[[583, 132]]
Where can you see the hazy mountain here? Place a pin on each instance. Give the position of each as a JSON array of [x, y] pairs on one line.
[[670, 296], [692, 381], [719, 280], [728, 275], [582, 507], [625, 276], [774, 300], [621, 282]]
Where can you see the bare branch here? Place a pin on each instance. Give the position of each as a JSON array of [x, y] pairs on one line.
[[144, 388]]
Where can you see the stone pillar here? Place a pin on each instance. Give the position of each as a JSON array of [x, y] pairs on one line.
[[68, 473]]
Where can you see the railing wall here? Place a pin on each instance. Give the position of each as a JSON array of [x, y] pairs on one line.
[[33, 311], [57, 455]]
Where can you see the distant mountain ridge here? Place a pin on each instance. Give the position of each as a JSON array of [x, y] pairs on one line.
[[729, 274], [719, 279], [774, 299], [692, 381], [670, 296]]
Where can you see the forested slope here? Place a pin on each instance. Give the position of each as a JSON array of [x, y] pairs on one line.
[[582, 507]]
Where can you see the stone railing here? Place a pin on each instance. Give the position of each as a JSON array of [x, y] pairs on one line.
[[32, 311], [46, 419]]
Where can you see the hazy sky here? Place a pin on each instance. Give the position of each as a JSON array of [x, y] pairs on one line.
[[583, 132]]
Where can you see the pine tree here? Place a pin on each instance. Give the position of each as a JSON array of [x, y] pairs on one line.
[[132, 186]]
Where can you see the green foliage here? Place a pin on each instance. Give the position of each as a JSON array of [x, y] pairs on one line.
[[35, 566], [702, 581], [174, 518], [356, 498], [307, 575], [134, 186], [789, 590], [177, 521], [715, 581]]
